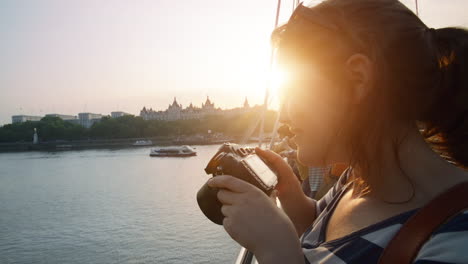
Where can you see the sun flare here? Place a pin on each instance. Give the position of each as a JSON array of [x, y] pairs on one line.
[[277, 79]]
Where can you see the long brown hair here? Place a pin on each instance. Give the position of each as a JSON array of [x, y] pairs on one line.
[[422, 73]]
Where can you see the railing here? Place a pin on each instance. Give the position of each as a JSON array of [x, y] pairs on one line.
[[245, 257]]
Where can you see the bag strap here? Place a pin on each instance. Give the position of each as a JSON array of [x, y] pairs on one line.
[[406, 244]]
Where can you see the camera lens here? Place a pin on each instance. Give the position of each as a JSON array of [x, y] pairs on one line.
[[209, 204]]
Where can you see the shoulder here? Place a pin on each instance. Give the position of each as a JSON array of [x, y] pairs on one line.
[[333, 192], [448, 244]]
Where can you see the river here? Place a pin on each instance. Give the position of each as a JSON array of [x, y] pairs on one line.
[[107, 206]]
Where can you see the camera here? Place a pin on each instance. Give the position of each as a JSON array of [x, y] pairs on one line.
[[240, 162]]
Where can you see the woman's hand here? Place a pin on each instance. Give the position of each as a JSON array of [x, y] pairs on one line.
[[254, 220], [287, 180], [299, 207]]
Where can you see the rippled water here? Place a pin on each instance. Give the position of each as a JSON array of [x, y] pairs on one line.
[[107, 206]]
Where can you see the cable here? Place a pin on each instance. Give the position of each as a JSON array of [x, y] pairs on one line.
[[267, 91], [417, 7]]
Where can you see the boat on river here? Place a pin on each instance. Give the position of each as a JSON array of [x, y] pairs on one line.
[[143, 143], [173, 151]]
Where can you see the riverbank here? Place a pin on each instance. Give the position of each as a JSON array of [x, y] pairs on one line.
[[60, 145]]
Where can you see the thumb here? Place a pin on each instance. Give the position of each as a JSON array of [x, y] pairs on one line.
[[268, 155], [275, 160], [286, 177]]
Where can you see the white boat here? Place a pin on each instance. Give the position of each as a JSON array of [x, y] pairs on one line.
[[143, 143], [173, 151]]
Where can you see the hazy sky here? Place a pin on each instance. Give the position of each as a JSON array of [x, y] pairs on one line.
[[64, 56]]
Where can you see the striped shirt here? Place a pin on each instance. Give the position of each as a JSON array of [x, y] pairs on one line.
[[316, 175], [448, 244]]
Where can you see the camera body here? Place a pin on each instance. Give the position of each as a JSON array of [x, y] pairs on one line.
[[239, 162]]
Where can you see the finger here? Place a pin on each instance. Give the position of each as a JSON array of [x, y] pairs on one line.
[[226, 197], [275, 160], [227, 224], [231, 183], [226, 210], [268, 155]]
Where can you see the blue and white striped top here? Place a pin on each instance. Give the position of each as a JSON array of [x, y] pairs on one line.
[[448, 244], [316, 175]]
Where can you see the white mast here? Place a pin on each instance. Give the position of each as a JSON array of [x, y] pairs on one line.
[[267, 91], [35, 137]]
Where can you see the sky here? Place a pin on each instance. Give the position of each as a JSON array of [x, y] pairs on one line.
[[101, 56]]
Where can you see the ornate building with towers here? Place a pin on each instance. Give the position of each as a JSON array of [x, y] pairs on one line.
[[175, 111]]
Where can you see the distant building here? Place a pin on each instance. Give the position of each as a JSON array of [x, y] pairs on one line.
[[24, 118], [118, 114], [175, 111], [63, 117], [88, 119]]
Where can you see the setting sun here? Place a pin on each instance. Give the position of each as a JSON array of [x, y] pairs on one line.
[[278, 78]]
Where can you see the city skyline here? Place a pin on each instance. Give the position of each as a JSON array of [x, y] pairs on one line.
[[67, 116], [187, 105], [101, 56]]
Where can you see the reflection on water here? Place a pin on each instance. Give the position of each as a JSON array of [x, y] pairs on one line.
[[107, 206]]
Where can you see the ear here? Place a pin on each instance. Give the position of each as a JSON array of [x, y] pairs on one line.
[[360, 72]]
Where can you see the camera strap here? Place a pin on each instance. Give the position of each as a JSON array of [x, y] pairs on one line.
[[405, 245]]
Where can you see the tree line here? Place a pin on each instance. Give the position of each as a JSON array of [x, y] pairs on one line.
[[54, 128]]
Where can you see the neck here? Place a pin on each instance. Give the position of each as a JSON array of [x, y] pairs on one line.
[[415, 175]]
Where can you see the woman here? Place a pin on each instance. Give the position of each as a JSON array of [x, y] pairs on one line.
[[372, 86]]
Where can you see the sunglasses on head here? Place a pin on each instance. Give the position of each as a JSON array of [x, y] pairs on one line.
[[311, 15], [318, 17]]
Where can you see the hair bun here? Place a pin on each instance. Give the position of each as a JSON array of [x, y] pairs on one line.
[[448, 117]]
